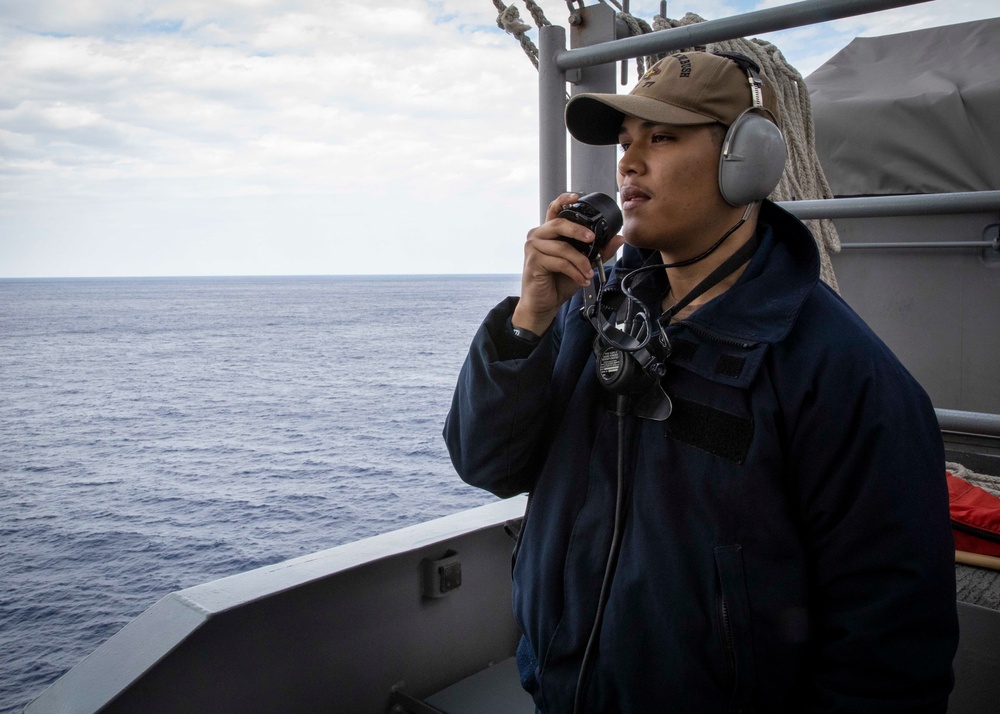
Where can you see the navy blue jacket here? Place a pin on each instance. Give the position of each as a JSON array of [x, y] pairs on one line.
[[787, 544]]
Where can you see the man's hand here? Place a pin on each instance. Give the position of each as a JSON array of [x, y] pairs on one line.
[[553, 269]]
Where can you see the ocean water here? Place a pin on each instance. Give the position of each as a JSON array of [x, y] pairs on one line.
[[157, 433]]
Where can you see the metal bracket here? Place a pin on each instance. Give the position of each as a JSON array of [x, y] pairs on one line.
[[440, 576], [574, 19], [991, 253]]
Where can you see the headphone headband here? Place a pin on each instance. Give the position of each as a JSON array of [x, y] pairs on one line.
[[752, 70]]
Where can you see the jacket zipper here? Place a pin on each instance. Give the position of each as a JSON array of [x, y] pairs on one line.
[[978, 532], [716, 338], [728, 644]]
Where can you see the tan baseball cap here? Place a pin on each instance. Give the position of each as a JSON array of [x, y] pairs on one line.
[[689, 88]]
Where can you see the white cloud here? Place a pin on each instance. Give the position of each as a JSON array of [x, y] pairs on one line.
[[284, 136]]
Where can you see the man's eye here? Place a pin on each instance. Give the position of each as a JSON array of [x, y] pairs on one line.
[[662, 137], [623, 147]]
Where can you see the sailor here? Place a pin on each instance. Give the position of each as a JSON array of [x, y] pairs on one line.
[[757, 520]]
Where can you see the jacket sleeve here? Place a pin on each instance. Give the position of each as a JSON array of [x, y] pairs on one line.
[[867, 469], [496, 428]]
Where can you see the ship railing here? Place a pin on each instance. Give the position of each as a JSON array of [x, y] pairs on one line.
[[931, 204], [953, 421]]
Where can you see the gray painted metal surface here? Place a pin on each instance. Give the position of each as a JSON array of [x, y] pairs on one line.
[[496, 690], [889, 206], [959, 422], [334, 631], [551, 105], [588, 163], [938, 204], [936, 310], [977, 662]]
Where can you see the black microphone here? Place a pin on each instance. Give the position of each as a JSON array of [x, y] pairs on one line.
[[599, 213]]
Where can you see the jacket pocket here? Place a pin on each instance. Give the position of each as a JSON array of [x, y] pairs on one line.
[[735, 626]]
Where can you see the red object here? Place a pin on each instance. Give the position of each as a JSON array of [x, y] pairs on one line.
[[975, 517]]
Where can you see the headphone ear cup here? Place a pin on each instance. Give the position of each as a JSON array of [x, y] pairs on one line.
[[753, 158]]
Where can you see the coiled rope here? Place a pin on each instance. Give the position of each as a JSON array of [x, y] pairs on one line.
[[803, 178]]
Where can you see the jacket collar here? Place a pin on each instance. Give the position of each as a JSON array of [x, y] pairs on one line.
[[762, 305]]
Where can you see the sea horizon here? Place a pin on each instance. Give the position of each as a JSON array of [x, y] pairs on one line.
[[348, 276]]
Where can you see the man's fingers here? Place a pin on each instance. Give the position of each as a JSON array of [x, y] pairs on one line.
[[559, 228], [552, 256], [557, 205]]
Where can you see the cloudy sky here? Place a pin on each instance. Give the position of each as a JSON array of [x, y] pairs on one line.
[[273, 137]]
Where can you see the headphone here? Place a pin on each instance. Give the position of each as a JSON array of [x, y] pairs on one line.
[[754, 151]]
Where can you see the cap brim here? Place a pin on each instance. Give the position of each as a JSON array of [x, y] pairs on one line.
[[597, 118]]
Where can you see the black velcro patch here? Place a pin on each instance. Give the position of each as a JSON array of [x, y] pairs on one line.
[[729, 365], [726, 435], [683, 349]]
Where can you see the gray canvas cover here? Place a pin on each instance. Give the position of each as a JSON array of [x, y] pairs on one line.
[[917, 112]]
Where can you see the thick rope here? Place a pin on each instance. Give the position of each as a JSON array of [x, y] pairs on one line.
[[803, 177], [987, 482], [638, 26], [537, 14], [509, 20]]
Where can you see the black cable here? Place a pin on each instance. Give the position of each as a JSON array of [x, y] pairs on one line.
[[626, 283], [730, 266], [714, 247], [612, 564]]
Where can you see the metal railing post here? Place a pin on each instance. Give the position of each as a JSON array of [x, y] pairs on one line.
[[592, 167], [551, 104]]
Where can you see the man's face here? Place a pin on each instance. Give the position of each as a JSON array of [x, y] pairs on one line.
[[668, 178]]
